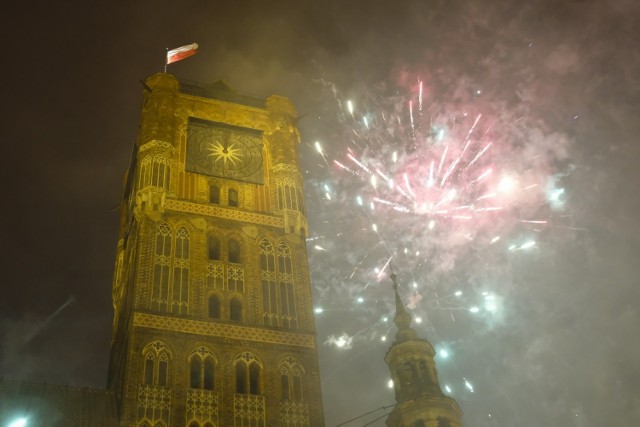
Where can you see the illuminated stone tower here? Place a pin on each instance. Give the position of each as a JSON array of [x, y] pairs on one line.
[[419, 399], [213, 321]]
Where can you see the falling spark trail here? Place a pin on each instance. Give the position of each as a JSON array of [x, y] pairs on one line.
[[478, 155], [444, 155], [48, 320], [359, 163]]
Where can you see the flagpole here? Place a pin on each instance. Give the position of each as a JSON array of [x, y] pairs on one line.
[[166, 56]]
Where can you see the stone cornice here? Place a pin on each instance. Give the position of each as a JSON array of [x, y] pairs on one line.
[[198, 327]]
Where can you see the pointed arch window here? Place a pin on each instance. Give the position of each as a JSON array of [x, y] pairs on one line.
[[180, 297], [248, 374], [268, 279], [235, 273], [291, 379], [215, 267], [162, 266], [214, 194], [233, 197], [235, 310], [213, 247], [170, 283], [286, 286], [214, 307], [234, 251], [278, 299], [156, 358], [235, 278], [155, 171], [289, 197], [202, 369]]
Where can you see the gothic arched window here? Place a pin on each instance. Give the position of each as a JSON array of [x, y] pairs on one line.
[[180, 298], [235, 310], [268, 280], [213, 247], [202, 369], [155, 171], [234, 251], [291, 379], [161, 270], [156, 364], [214, 307], [285, 283], [248, 374]]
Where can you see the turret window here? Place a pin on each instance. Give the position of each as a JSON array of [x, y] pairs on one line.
[[154, 171], [289, 197]]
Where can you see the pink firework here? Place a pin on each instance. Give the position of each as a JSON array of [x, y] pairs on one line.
[[436, 182]]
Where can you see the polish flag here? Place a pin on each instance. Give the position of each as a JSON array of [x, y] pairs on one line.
[[180, 53]]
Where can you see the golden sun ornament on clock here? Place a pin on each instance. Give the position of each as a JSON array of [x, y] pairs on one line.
[[224, 151]]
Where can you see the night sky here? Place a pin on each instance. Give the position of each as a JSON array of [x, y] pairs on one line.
[[555, 81]]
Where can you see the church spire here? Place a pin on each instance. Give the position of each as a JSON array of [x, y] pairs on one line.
[[420, 401], [402, 318]]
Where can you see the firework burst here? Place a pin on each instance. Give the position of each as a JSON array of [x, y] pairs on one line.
[[437, 186], [443, 191]]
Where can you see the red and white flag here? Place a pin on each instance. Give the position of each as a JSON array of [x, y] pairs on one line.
[[180, 53]]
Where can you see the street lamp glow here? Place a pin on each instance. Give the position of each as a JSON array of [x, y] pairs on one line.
[[19, 422]]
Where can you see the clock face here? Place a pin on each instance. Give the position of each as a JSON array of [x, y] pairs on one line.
[[224, 151]]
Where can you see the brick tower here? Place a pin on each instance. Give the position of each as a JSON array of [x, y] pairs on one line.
[[213, 322]]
